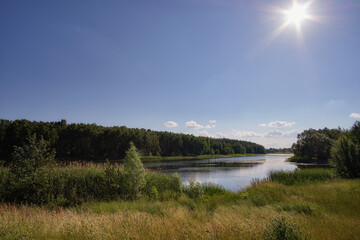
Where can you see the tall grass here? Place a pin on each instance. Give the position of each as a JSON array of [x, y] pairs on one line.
[[335, 215], [303, 176]]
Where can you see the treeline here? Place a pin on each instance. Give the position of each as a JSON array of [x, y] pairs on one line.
[[315, 145], [322, 145], [93, 142], [279, 150]]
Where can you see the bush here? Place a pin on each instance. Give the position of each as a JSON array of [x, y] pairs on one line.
[[194, 190], [33, 180], [31, 156], [280, 229], [135, 172], [345, 158], [166, 185]]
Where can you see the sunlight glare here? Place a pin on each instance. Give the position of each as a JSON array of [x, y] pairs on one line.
[[297, 14]]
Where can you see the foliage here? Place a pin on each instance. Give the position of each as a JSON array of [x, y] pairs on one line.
[[279, 150], [134, 171], [31, 156], [73, 185], [280, 229], [345, 155], [166, 186], [302, 176], [93, 142], [314, 145], [194, 189]]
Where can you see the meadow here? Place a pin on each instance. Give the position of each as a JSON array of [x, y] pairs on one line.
[[324, 208]]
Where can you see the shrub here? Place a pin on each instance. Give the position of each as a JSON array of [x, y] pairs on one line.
[[194, 190], [135, 172], [280, 229], [165, 185], [345, 158], [33, 155], [211, 189]]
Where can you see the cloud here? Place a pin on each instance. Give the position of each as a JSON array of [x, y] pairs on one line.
[[278, 133], [221, 135], [209, 126], [246, 134], [193, 125], [212, 121], [277, 124], [170, 124], [204, 133], [355, 115], [270, 134]]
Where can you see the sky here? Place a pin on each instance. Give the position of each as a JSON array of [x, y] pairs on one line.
[[238, 69]]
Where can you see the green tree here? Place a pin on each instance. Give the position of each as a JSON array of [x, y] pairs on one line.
[[345, 158], [313, 145], [135, 171], [31, 156]]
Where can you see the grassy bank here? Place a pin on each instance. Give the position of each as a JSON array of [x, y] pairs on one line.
[[326, 209]]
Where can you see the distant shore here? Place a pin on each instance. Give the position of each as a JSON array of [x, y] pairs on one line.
[[197, 157]]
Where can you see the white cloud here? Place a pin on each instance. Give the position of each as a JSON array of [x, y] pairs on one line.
[[212, 121], [204, 133], [270, 134], [221, 135], [277, 124], [246, 134], [170, 124], [355, 115], [193, 125], [209, 126], [278, 133]]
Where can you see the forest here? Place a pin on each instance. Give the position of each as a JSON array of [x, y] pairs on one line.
[[78, 141]]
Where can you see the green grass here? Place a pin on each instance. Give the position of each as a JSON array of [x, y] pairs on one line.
[[323, 210], [298, 205], [303, 176]]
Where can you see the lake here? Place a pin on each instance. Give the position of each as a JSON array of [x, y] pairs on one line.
[[234, 174]]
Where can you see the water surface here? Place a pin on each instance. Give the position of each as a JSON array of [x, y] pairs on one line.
[[233, 178]]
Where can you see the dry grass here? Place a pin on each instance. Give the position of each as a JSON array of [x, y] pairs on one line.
[[334, 214]]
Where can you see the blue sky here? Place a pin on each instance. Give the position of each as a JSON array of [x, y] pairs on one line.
[[210, 67]]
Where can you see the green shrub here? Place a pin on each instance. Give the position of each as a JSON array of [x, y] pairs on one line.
[[135, 172], [166, 185], [194, 189], [280, 229], [31, 156], [345, 158], [211, 189]]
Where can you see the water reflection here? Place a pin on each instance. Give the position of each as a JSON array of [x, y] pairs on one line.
[[232, 177]]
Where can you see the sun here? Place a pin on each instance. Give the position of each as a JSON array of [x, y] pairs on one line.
[[296, 14]]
